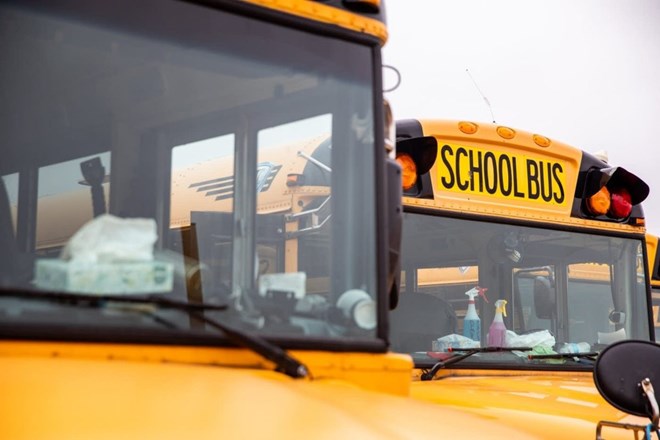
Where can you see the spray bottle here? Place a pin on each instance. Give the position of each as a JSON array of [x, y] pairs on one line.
[[497, 330], [472, 323]]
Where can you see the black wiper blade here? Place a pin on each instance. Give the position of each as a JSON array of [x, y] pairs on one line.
[[91, 300], [284, 363], [592, 355], [428, 375]]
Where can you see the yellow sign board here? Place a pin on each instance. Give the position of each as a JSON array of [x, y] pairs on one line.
[[504, 175]]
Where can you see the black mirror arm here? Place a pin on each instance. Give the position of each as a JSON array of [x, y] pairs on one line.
[[647, 387]]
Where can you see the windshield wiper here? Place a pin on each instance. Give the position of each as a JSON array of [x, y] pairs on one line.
[[284, 363], [90, 300], [586, 357], [428, 375]]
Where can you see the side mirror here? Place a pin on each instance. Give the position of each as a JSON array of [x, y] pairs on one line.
[[394, 228], [624, 374]]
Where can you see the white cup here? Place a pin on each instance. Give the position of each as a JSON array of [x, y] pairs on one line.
[[358, 306]]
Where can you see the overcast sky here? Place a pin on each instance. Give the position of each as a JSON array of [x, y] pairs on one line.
[[585, 72]]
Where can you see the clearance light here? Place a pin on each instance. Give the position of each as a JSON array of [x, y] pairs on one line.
[[599, 203], [294, 179], [541, 141], [621, 205], [408, 170], [506, 132], [639, 222], [468, 127]]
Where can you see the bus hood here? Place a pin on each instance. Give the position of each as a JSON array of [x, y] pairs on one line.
[[543, 404], [69, 398]]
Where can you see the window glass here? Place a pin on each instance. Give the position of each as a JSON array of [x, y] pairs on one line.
[[554, 291], [590, 301], [11, 187], [67, 199], [237, 166]]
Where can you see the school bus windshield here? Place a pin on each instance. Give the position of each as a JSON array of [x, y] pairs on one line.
[[224, 134], [565, 291]]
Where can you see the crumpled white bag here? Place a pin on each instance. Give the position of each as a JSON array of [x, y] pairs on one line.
[[540, 338], [110, 239]]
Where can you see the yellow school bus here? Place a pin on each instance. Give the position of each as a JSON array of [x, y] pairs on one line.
[[548, 241], [654, 275], [152, 284]]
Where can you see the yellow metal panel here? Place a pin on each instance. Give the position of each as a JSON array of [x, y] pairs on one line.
[[388, 373], [93, 396], [327, 14], [467, 206], [544, 404]]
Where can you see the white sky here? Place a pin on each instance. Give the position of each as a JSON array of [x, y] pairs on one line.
[[585, 72]]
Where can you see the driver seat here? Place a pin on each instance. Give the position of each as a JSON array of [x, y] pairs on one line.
[[418, 320]]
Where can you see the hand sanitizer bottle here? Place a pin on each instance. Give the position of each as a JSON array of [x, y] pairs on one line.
[[497, 330], [471, 322]]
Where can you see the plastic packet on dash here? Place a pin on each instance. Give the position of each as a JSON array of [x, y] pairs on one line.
[[575, 347], [454, 341]]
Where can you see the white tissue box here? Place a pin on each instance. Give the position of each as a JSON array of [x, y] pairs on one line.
[[104, 278]]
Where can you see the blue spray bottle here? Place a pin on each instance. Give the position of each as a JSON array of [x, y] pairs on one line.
[[472, 323], [497, 330]]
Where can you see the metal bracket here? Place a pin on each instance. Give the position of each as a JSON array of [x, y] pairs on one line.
[[647, 387], [317, 222]]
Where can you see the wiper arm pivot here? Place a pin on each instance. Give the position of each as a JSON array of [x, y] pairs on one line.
[[285, 363], [428, 375]]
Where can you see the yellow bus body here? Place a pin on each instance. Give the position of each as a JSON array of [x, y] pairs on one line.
[[66, 391], [541, 404], [328, 14]]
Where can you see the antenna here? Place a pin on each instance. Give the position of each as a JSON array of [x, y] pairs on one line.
[[482, 95]]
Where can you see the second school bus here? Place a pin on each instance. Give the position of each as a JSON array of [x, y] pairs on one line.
[[553, 233]]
